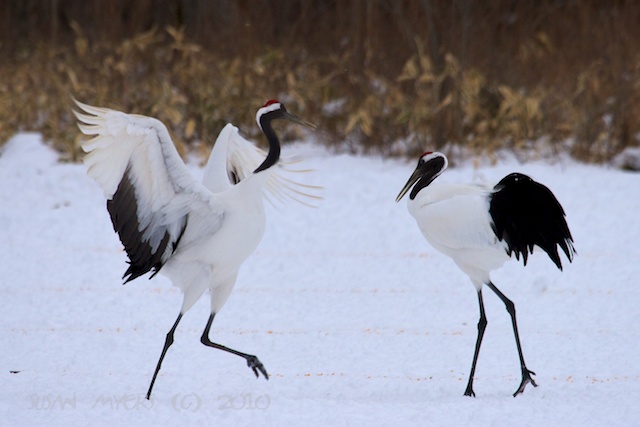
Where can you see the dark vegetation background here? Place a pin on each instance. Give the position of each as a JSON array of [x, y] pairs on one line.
[[388, 76]]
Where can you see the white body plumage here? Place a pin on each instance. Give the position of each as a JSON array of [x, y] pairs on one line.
[[211, 261], [217, 228], [455, 220]]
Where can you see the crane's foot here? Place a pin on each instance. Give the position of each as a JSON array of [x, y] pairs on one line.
[[469, 391], [256, 366], [526, 379]]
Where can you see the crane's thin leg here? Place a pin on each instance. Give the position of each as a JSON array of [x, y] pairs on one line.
[[167, 343], [511, 308], [252, 361], [482, 324]]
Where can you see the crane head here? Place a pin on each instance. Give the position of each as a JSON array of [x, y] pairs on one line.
[[430, 166], [274, 109]]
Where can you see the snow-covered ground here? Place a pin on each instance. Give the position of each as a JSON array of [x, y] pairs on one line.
[[357, 319]]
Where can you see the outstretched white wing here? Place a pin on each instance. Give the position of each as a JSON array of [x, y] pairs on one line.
[[233, 158], [149, 190]]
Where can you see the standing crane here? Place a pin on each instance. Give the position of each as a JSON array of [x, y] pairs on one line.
[[196, 234], [480, 228]]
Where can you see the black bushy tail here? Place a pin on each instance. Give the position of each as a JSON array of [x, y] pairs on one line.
[[525, 214]]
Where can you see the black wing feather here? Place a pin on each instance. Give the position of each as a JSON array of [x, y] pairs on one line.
[[526, 214], [123, 209]]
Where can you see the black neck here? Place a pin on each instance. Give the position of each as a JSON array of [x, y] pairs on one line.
[[274, 143], [432, 169], [422, 182]]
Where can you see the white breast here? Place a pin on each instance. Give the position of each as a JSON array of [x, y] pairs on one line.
[[212, 262], [455, 220]]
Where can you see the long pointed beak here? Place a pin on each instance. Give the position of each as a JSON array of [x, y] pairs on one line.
[[298, 120], [415, 176]]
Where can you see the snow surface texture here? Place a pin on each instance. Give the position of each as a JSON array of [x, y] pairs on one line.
[[357, 319]]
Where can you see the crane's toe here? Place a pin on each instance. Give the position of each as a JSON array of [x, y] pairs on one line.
[[526, 379], [256, 365]]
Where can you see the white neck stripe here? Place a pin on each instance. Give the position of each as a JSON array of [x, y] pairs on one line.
[[264, 110]]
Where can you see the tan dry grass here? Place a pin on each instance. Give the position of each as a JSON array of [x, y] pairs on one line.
[[390, 77]]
